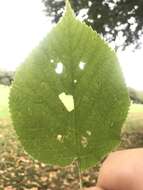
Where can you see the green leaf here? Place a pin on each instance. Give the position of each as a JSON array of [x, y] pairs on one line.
[[69, 99]]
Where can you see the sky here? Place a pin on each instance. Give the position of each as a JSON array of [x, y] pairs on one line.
[[23, 25]]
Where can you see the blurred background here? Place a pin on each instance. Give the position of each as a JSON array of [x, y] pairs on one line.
[[23, 25], [120, 22]]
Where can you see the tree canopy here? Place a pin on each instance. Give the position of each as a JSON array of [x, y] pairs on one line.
[[111, 18], [6, 77]]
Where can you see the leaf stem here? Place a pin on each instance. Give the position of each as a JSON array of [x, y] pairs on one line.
[[79, 174]]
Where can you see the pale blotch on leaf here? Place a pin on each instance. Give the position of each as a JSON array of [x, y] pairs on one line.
[[29, 109], [59, 68], [88, 133], [84, 141], [67, 100], [82, 65], [60, 138], [112, 124]]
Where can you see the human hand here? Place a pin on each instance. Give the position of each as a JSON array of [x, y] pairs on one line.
[[122, 170]]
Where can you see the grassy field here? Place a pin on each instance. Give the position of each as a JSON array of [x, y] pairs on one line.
[[4, 93], [134, 121], [136, 108]]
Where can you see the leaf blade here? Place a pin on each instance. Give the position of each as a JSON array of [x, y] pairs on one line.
[[91, 75]]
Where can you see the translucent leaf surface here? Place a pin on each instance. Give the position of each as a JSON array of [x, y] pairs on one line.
[[69, 99]]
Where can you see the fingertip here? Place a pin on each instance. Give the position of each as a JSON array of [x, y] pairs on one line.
[[93, 188]]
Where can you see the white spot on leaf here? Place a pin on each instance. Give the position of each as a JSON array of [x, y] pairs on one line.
[[59, 68], [75, 81], [82, 65], [84, 141], [67, 100]]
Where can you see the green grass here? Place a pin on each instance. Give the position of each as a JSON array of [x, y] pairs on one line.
[[134, 121], [4, 93], [136, 108]]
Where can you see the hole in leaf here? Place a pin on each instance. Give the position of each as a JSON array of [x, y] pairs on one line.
[[82, 65], [59, 68], [84, 141], [99, 16], [67, 100], [88, 133], [89, 3], [52, 60], [60, 138], [75, 81]]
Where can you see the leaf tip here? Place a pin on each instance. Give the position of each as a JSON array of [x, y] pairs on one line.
[[67, 4], [68, 8]]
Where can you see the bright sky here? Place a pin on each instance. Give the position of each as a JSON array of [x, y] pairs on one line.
[[23, 24]]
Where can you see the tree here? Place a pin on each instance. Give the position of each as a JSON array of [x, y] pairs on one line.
[[111, 18], [6, 77]]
